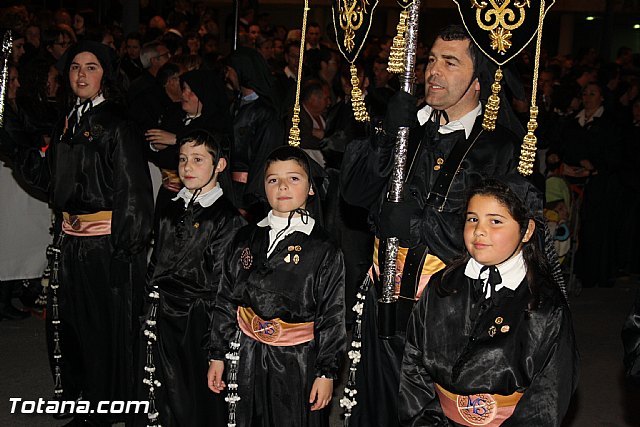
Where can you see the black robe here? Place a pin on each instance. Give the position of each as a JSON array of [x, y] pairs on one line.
[[275, 381], [631, 342], [99, 167], [186, 266], [450, 342], [366, 170]]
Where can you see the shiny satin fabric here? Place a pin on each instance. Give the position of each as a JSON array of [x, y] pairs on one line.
[[367, 168], [186, 267], [469, 345], [99, 318], [302, 281]]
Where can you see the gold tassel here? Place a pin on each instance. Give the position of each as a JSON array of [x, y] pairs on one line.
[[294, 132], [397, 54], [357, 100], [528, 148], [493, 104]]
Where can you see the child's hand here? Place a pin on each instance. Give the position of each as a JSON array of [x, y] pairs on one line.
[[214, 376], [321, 393]]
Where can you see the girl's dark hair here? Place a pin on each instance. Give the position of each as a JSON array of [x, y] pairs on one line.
[[533, 252], [211, 141], [284, 153]]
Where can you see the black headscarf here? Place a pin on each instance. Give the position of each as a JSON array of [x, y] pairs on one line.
[[106, 56], [209, 89], [253, 73]]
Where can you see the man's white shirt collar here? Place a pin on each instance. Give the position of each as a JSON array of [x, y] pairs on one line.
[[466, 122]]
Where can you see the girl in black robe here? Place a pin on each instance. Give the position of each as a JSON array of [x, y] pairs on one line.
[[97, 178], [491, 340], [186, 264], [279, 317]]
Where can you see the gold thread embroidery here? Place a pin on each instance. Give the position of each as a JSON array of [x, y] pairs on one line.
[[499, 18], [351, 19]]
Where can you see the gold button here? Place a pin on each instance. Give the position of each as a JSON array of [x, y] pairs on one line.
[[504, 329], [499, 320], [436, 168]]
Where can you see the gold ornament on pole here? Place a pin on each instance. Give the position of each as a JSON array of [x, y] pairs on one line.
[[397, 56]]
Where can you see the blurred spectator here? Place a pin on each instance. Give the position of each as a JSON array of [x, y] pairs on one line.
[[130, 63], [315, 99], [312, 38]]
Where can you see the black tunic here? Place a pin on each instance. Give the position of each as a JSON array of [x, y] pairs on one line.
[[448, 343], [366, 170], [275, 381], [186, 266], [100, 167]]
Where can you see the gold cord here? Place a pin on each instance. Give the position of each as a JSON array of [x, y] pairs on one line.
[[399, 46], [493, 103], [357, 100], [294, 133], [528, 148]]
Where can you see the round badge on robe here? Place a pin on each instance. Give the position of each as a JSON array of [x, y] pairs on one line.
[[477, 409]]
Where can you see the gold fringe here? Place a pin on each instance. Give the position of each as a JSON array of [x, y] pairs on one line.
[[399, 46], [493, 104], [357, 99], [528, 148], [294, 132]]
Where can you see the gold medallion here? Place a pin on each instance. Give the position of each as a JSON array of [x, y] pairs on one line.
[[267, 331]]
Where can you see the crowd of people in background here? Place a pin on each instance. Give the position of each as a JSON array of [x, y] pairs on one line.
[[177, 73]]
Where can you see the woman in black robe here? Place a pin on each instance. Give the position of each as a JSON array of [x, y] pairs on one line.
[[491, 341], [195, 230], [97, 177]]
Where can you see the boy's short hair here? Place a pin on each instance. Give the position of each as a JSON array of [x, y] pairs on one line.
[[286, 152], [211, 141]]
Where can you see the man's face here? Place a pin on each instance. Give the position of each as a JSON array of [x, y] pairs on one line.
[[254, 32], [313, 35], [162, 57], [380, 74], [60, 46], [293, 58], [133, 48], [450, 84], [319, 102]]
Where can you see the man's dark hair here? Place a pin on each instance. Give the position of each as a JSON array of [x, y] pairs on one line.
[[167, 71], [289, 45], [134, 36], [458, 32], [311, 87]]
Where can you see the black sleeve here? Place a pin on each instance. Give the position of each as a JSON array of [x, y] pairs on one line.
[[418, 403], [631, 341]]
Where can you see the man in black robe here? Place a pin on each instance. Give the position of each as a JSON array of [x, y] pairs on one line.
[[429, 220]]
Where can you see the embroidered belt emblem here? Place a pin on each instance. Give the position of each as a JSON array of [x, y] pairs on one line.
[[267, 331], [477, 409]]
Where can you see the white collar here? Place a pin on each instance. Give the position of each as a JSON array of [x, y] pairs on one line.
[[82, 107], [205, 200], [289, 73], [277, 224], [511, 271], [251, 97], [465, 122], [582, 116]]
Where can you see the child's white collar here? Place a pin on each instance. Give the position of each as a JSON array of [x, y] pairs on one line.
[[278, 223], [205, 200], [512, 272]]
